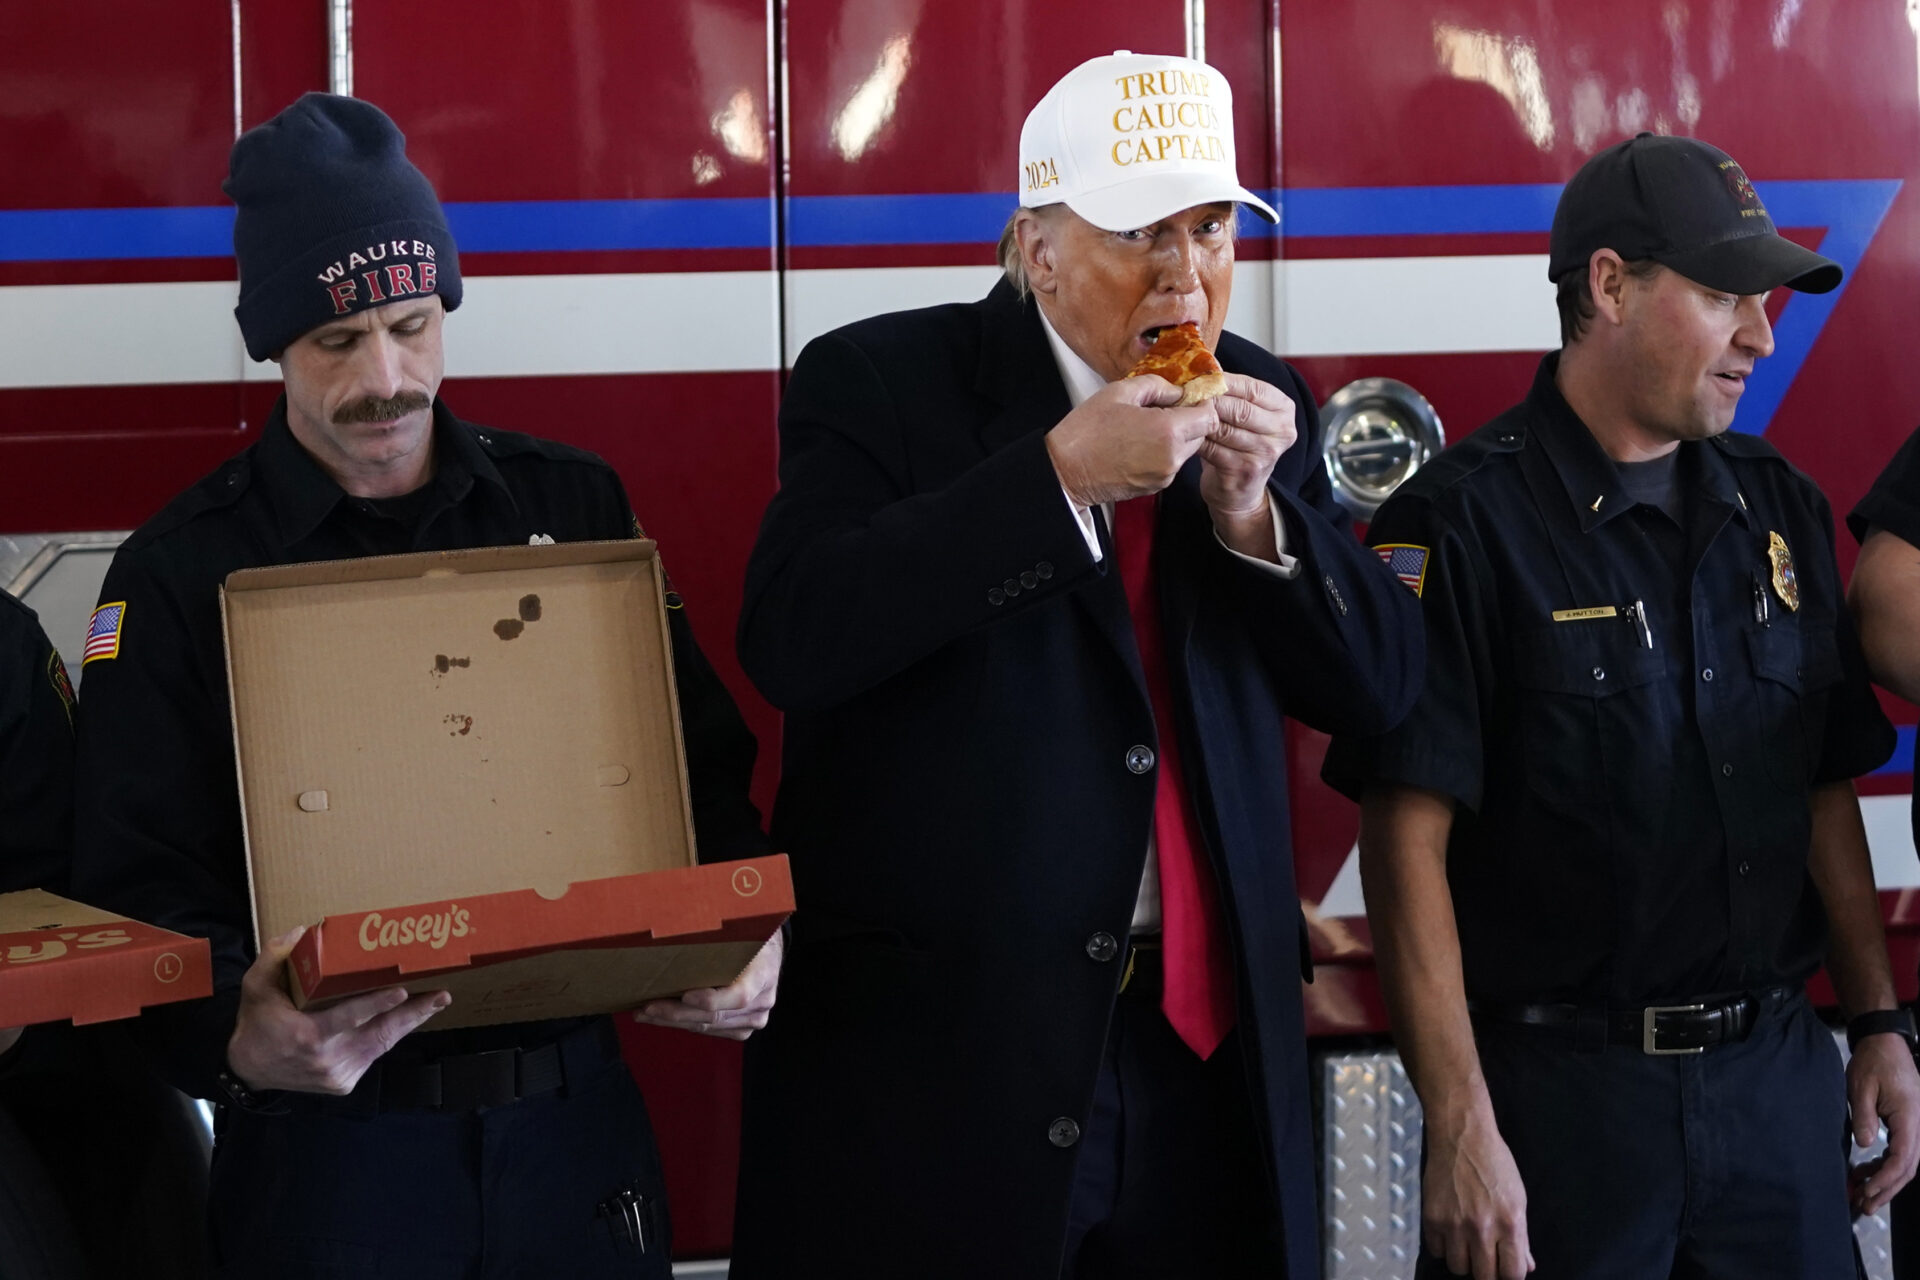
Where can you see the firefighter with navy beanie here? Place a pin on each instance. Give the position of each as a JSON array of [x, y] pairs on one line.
[[325, 196], [358, 1140], [1617, 833]]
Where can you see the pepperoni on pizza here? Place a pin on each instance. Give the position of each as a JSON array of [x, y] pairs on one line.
[[1181, 357]]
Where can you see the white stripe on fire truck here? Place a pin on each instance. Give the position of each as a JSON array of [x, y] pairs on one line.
[[556, 325]]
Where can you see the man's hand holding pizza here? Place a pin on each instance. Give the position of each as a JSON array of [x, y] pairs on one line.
[[1127, 440], [1256, 427]]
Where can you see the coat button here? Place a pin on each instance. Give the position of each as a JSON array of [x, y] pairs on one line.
[[1140, 758], [996, 596], [1746, 868], [1707, 675], [1029, 579], [1063, 1132], [1102, 948], [1011, 587], [1599, 673], [1726, 771], [1044, 569]]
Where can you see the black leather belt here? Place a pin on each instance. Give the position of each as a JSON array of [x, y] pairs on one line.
[[1690, 1027], [470, 1081]]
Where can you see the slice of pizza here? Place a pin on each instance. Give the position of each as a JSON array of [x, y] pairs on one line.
[[1181, 357]]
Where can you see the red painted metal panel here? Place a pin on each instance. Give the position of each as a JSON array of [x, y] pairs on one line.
[[1385, 93], [1240, 47], [142, 118], [899, 96], [594, 100], [283, 52]]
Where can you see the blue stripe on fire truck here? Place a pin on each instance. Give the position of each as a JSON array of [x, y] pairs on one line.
[[1848, 211]]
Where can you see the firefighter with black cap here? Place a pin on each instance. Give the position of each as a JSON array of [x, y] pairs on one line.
[[1618, 831], [348, 1144]]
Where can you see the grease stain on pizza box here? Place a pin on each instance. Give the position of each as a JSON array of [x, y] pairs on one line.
[[63, 961], [486, 740]]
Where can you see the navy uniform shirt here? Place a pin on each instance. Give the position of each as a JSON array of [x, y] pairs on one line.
[[158, 834], [1893, 504], [36, 754], [1625, 708]]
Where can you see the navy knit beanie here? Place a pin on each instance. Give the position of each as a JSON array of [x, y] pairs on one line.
[[332, 218]]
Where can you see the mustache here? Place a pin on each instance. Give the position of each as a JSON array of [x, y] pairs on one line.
[[381, 409]]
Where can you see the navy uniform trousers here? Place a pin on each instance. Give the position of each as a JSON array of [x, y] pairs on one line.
[[512, 1192], [1721, 1135]]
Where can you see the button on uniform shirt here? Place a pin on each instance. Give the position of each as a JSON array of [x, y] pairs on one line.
[[1082, 380], [36, 755], [158, 833], [1893, 504], [1625, 708]]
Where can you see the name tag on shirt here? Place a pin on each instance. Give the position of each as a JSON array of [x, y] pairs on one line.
[[1582, 615]]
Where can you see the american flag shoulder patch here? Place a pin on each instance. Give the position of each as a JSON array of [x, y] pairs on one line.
[[1408, 562], [103, 633]]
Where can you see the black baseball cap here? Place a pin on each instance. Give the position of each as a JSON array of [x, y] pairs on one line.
[[1687, 206]]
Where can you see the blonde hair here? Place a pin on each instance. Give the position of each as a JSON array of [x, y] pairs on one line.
[[1012, 265]]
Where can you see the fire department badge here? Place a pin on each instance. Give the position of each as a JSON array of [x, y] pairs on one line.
[[57, 676], [1785, 584]]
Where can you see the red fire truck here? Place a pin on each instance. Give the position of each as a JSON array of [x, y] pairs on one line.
[[659, 204]]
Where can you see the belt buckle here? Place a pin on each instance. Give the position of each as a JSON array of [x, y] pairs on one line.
[[472, 1080], [1648, 1036]]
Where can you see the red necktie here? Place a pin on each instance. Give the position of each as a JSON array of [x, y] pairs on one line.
[[1198, 995]]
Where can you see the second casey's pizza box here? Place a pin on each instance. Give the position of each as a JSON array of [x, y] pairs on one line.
[[463, 771], [63, 961]]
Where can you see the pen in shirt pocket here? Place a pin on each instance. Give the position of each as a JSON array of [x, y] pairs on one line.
[[1637, 614]]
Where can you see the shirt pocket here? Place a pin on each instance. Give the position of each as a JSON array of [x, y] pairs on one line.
[[1590, 711], [1795, 670]]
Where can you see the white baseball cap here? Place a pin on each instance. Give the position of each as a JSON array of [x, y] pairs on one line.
[[1132, 138]]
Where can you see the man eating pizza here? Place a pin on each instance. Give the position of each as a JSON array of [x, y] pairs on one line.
[[1036, 626]]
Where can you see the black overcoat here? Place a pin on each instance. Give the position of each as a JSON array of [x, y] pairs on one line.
[[962, 693]]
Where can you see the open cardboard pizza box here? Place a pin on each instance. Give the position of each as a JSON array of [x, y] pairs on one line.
[[463, 771], [63, 961]]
